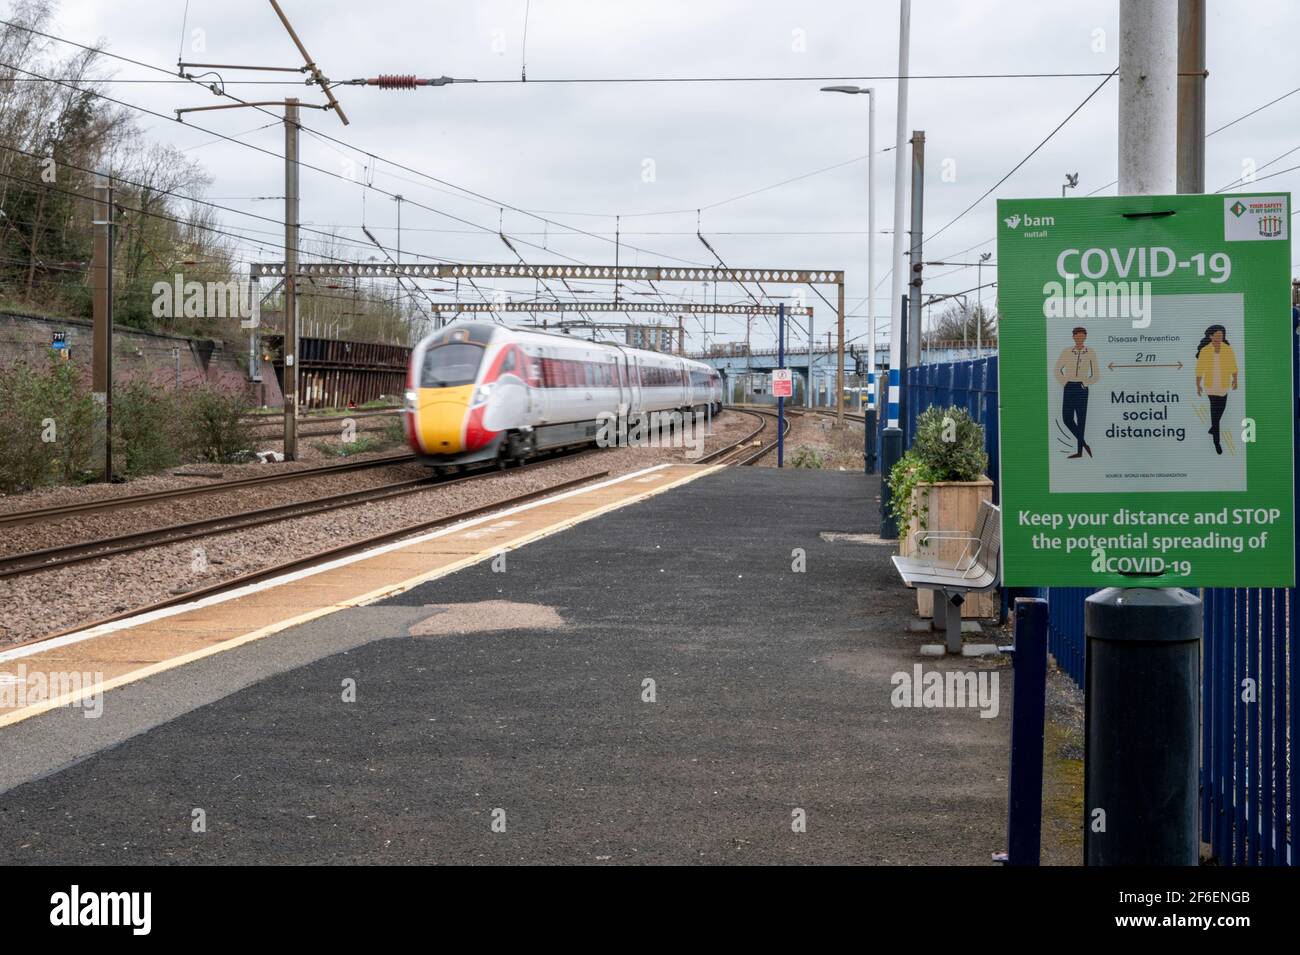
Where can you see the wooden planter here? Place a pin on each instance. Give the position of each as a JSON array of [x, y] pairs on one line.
[[952, 506]]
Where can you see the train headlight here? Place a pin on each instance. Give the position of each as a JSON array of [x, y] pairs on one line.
[[481, 394], [410, 398]]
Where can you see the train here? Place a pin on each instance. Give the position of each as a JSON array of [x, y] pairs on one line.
[[477, 392]]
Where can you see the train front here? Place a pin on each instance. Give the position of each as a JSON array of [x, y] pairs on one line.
[[446, 396]]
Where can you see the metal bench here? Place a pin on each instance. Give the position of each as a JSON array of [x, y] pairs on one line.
[[976, 569]]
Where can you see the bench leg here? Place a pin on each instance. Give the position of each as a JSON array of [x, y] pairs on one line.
[[952, 619]]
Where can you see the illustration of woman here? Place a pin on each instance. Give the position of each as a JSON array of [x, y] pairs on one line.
[[1216, 374]]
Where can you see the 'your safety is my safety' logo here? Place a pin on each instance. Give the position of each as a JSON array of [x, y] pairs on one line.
[[1248, 218]]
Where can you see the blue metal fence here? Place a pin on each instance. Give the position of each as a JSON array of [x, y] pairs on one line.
[[1250, 663], [972, 385]]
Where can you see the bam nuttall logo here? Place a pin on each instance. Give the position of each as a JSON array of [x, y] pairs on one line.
[[1237, 208], [1012, 221]]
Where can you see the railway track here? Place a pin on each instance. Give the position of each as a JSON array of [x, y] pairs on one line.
[[20, 566], [320, 557], [271, 417], [830, 413], [275, 430], [325, 425], [49, 558], [149, 497], [747, 450]]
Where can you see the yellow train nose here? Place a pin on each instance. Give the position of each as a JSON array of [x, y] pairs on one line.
[[441, 418]]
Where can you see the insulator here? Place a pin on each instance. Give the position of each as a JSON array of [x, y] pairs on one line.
[[396, 81]]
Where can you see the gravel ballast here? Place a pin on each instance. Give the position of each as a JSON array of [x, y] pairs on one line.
[[48, 601]]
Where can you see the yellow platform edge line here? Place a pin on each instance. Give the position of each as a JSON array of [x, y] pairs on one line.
[[69, 699]]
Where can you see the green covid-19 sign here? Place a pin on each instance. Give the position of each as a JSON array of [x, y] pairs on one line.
[[1145, 395]]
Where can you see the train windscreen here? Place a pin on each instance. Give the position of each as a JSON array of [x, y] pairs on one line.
[[450, 365]]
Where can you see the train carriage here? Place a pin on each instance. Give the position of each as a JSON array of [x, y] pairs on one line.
[[477, 391]]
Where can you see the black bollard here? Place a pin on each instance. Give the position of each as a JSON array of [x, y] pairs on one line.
[[869, 441], [1142, 754], [1028, 695], [891, 449]]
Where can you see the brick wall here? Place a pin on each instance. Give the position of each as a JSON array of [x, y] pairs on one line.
[[138, 354]]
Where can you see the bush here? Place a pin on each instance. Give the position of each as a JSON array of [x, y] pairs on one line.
[[146, 428], [394, 432], [213, 428], [948, 445], [46, 428], [345, 449], [807, 458]]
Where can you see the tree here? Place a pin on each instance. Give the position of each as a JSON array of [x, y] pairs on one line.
[[53, 135], [159, 183], [955, 324]]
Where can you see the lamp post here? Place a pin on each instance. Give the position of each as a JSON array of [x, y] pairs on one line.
[[871, 218], [979, 300], [965, 308]]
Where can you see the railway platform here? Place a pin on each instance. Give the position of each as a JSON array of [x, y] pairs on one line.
[[689, 664]]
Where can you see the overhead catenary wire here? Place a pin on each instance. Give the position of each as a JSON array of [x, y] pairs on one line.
[[125, 208], [301, 163], [701, 79], [1246, 180], [244, 242], [579, 80], [1227, 125], [721, 202], [1014, 169], [317, 133], [375, 157], [331, 237], [1114, 182], [240, 238]]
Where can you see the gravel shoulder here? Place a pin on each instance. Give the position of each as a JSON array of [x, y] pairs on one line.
[[840, 448]]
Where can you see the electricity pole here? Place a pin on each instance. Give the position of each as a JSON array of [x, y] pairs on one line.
[[810, 398], [1148, 105], [896, 255], [291, 280], [1141, 722], [1191, 96], [915, 263], [891, 439], [839, 361], [291, 129], [102, 306]]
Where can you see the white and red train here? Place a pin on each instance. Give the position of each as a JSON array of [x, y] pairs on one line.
[[477, 391]]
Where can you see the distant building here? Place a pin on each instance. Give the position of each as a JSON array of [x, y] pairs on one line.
[[651, 337]]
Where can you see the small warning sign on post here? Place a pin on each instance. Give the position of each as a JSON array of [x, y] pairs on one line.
[[782, 383], [59, 343]]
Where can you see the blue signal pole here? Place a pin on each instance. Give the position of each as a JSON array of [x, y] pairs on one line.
[[780, 401]]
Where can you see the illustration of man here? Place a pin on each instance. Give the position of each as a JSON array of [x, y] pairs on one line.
[[1076, 370], [1216, 374]]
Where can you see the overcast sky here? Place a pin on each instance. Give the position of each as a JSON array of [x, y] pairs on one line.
[[579, 153]]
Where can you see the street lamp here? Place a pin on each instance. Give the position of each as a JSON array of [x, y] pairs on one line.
[[965, 309], [1071, 182], [871, 228], [979, 300]]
